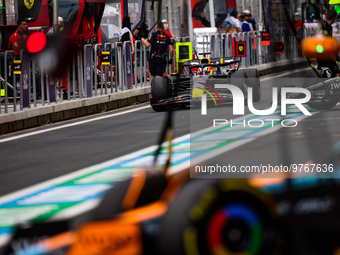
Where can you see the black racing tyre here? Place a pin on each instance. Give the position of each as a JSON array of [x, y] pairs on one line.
[[239, 79], [160, 88], [254, 82], [219, 216], [111, 204], [311, 79]]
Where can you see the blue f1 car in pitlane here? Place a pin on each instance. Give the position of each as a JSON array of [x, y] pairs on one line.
[[201, 76]]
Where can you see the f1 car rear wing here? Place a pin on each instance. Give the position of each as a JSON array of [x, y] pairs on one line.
[[224, 61], [218, 61]]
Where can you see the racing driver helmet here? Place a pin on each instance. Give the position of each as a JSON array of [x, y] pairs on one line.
[[206, 71]]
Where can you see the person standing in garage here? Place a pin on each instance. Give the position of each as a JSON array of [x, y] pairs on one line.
[[159, 43], [18, 39], [327, 30]]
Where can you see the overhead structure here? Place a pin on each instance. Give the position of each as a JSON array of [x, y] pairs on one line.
[[205, 13]]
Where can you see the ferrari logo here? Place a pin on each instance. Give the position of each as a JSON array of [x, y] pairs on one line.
[[29, 3], [240, 49]]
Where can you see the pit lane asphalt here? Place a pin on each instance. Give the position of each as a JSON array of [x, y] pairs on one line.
[[37, 158]]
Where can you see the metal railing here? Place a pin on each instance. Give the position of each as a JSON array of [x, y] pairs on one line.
[[221, 45], [87, 76]]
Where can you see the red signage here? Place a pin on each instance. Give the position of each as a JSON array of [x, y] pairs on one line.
[[279, 47], [265, 40]]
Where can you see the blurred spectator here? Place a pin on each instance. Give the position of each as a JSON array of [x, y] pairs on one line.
[[142, 30], [246, 27], [313, 27], [166, 26], [17, 42], [241, 18], [49, 31], [326, 30], [124, 33], [86, 29], [327, 25], [226, 27], [297, 21], [133, 17], [18, 39], [323, 15], [250, 19], [232, 24]]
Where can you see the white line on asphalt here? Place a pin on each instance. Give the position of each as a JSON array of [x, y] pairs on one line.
[[72, 124], [73, 211]]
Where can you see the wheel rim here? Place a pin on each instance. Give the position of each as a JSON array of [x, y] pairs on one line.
[[235, 229]]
